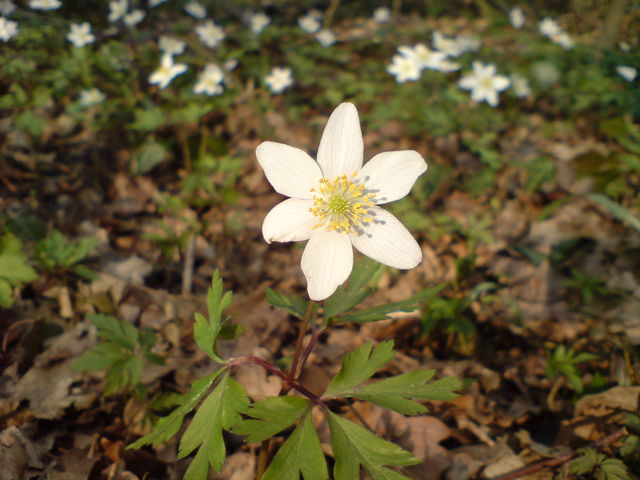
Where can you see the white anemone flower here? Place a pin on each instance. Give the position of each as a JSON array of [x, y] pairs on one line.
[[484, 83], [133, 18], [404, 69], [516, 17], [326, 37], [45, 4], [258, 22], [549, 27], [422, 55], [445, 66], [209, 81], [8, 29], [210, 34], [450, 46], [7, 7], [80, 34], [195, 9], [626, 72], [334, 202], [171, 46], [117, 9], [278, 79], [309, 23], [167, 71], [230, 64], [564, 40], [382, 14], [624, 46], [90, 97]]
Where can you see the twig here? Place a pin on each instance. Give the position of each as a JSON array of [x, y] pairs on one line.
[[187, 267], [328, 15], [307, 351], [293, 372], [554, 462]]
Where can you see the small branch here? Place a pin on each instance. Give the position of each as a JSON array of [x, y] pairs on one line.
[[328, 15], [187, 267], [562, 459], [310, 346]]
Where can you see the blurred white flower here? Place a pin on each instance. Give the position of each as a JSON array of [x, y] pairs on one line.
[[8, 29], [7, 7], [520, 86], [230, 64], [326, 37], [449, 46], [484, 83], [545, 73], [309, 23], [93, 96], [171, 46], [167, 71], [628, 73], [134, 17], [563, 39], [468, 43], [381, 14], [195, 9], [155, 3], [258, 22], [549, 27], [45, 4], [335, 202], [209, 81], [210, 34], [279, 78], [404, 69], [117, 9], [315, 13], [422, 55], [80, 34], [516, 17], [624, 46], [445, 66]]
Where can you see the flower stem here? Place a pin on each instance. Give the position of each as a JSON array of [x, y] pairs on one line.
[[293, 372]]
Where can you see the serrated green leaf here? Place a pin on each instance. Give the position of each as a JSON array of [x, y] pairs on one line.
[[168, 426], [219, 411], [270, 416], [293, 304], [395, 392], [206, 331], [123, 374], [100, 357], [354, 446], [359, 365], [360, 285], [114, 330], [300, 454], [13, 264], [382, 312]]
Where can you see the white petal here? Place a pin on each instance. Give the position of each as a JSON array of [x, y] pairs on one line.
[[341, 147], [289, 170], [326, 263], [492, 98], [390, 175], [289, 221], [468, 82], [387, 241], [500, 82]]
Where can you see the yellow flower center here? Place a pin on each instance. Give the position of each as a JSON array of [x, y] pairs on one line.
[[341, 205]]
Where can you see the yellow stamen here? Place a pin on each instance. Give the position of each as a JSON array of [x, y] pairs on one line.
[[341, 204]]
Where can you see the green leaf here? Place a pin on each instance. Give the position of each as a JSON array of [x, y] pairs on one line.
[[382, 312], [273, 415], [219, 411], [354, 446], [151, 154], [618, 211], [13, 263], [206, 331], [300, 454], [5, 294], [358, 366], [395, 393], [361, 284], [293, 304], [169, 425], [111, 329]]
